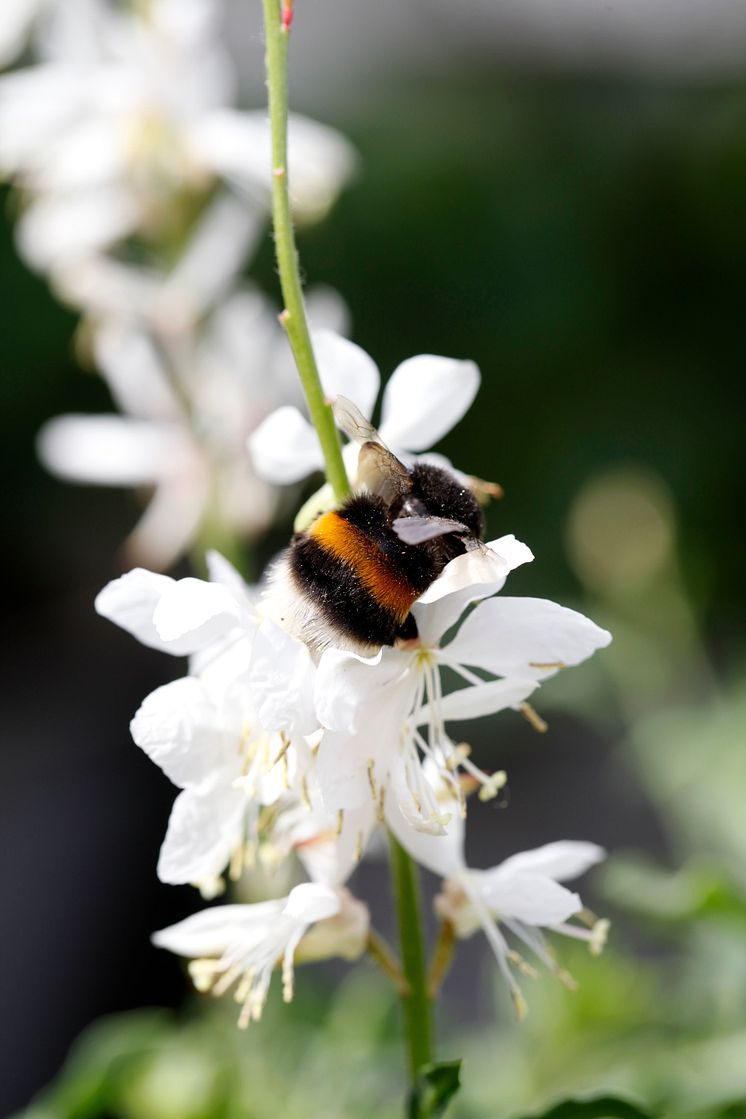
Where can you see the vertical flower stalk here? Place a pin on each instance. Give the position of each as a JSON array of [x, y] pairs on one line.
[[415, 1000], [416, 1003], [277, 23]]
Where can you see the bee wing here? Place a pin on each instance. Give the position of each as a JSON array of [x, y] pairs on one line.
[[379, 470], [353, 423], [416, 530]]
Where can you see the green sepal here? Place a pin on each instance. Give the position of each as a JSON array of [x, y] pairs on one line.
[[433, 1090]]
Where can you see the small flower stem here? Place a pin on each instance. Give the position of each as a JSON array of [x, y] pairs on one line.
[[381, 954], [416, 1004], [277, 21], [441, 958]]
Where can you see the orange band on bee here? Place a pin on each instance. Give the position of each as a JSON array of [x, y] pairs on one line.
[[349, 544]]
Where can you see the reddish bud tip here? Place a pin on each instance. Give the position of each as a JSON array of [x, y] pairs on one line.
[[287, 14]]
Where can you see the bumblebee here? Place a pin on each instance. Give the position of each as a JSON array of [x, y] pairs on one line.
[[351, 579]]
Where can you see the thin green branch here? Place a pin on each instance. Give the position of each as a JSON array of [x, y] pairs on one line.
[[277, 19]]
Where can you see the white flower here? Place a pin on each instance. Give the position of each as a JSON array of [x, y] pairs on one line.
[[218, 625], [242, 944], [523, 893], [423, 399], [384, 714], [228, 766]]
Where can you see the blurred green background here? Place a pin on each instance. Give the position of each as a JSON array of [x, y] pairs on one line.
[[584, 240]]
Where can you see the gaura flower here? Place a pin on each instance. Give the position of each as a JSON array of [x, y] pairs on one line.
[[228, 766], [242, 944], [423, 399], [385, 714], [218, 625], [523, 894]]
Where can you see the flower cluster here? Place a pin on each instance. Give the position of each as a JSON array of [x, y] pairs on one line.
[[288, 755], [143, 192]]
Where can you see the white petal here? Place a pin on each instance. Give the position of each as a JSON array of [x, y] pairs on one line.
[[342, 772], [209, 932], [527, 637], [196, 611], [280, 682], [346, 370], [526, 897], [311, 902], [567, 858], [472, 702], [481, 566], [203, 830], [107, 450], [345, 760], [346, 683], [130, 602], [425, 397], [285, 448], [177, 726], [466, 579]]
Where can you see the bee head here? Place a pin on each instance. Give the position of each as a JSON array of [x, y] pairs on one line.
[[438, 493]]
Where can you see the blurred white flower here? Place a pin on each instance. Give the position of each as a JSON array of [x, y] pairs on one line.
[[171, 303], [423, 399], [125, 127], [242, 944], [189, 401]]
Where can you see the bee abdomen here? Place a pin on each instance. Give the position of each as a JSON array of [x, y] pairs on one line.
[[348, 567]]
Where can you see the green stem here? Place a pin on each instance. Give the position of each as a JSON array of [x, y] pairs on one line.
[[293, 318], [416, 1004]]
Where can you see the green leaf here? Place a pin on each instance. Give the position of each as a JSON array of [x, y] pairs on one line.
[[435, 1087], [599, 1107]]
